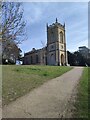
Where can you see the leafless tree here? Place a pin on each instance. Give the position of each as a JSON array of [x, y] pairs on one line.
[[12, 27], [43, 43]]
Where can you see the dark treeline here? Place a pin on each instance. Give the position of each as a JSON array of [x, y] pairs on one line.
[[77, 59]]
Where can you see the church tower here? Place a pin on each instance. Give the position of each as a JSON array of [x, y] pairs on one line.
[[56, 44]]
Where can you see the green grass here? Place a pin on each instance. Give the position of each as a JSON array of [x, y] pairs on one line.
[[19, 80], [82, 96]]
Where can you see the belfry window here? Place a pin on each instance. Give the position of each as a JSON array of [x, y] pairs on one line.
[[52, 36], [61, 37]]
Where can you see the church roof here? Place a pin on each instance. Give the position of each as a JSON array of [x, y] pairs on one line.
[[35, 51]]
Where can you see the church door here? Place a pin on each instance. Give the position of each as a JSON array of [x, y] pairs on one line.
[[62, 59]]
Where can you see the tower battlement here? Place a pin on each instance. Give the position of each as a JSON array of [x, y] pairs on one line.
[[56, 24]]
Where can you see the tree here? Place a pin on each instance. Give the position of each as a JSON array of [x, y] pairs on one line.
[[12, 28], [0, 37], [80, 60], [76, 59], [71, 58], [44, 59]]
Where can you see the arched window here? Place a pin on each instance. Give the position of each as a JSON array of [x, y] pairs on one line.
[[31, 60], [61, 37], [52, 36]]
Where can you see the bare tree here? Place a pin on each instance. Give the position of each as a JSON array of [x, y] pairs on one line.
[[12, 27], [43, 43], [0, 35]]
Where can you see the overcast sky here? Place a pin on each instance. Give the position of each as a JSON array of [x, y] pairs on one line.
[[38, 14]]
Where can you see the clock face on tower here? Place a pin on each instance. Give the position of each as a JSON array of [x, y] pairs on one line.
[[62, 47]]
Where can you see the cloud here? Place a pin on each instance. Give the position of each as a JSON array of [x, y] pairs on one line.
[[34, 12], [74, 47], [31, 13], [45, 0]]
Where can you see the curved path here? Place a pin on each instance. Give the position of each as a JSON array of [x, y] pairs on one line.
[[47, 101]]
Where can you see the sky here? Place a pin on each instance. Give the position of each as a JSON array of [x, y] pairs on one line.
[[38, 14]]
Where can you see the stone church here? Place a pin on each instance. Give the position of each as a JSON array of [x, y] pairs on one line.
[[55, 51]]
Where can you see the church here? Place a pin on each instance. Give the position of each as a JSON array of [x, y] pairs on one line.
[[55, 51]]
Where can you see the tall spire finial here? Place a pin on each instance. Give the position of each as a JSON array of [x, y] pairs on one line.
[[56, 20], [47, 25], [64, 24]]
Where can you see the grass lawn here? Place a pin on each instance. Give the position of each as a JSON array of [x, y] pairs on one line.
[[82, 96], [19, 80]]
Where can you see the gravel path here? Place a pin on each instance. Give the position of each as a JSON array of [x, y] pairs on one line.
[[50, 100]]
